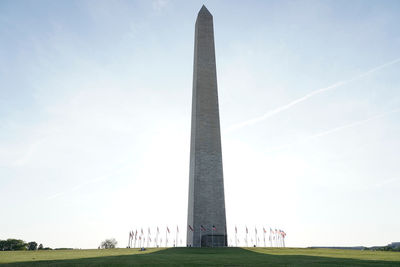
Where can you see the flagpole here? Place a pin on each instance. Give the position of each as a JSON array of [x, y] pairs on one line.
[[177, 232], [148, 234], [284, 235], [270, 237], [134, 244], [279, 238], [264, 236], [247, 241], [166, 237], [273, 239], [158, 231], [200, 237], [236, 236], [212, 236], [255, 228]]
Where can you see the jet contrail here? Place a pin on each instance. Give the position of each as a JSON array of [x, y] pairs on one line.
[[353, 124], [307, 96], [349, 125], [92, 181]]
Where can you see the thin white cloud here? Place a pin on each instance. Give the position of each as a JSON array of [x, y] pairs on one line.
[[304, 98]]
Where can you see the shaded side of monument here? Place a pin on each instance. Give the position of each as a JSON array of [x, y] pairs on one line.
[[206, 209]]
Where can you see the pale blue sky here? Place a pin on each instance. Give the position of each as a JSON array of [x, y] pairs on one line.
[[95, 102]]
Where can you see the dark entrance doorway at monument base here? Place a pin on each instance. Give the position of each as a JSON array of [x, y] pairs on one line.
[[213, 241], [206, 205]]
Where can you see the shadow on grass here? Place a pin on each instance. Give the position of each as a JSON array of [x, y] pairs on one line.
[[208, 257]]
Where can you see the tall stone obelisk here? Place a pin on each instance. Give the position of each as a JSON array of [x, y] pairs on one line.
[[206, 211]]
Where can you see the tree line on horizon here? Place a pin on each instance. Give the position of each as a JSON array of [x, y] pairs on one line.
[[19, 244]]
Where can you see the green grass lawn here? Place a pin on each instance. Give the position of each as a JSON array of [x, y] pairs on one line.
[[201, 257]]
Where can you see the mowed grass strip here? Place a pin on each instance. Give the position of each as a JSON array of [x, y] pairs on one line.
[[333, 253], [202, 257], [46, 255]]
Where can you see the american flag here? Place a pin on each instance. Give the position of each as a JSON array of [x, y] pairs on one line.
[[255, 229], [190, 227], [158, 230], [235, 229], [247, 231], [167, 229], [214, 229], [202, 228]]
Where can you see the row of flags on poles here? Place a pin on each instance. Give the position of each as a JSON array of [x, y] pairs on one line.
[[272, 238], [138, 239]]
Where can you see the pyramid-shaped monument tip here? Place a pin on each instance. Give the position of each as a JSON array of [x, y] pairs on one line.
[[204, 11]]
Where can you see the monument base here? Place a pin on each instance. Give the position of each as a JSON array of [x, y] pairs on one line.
[[214, 241]]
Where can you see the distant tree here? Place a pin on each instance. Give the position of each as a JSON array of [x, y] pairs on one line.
[[12, 244], [32, 245], [40, 247], [3, 244], [109, 243]]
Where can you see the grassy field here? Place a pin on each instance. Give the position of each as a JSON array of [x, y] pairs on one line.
[[201, 257]]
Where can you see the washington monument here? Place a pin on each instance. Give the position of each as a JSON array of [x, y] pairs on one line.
[[206, 209]]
